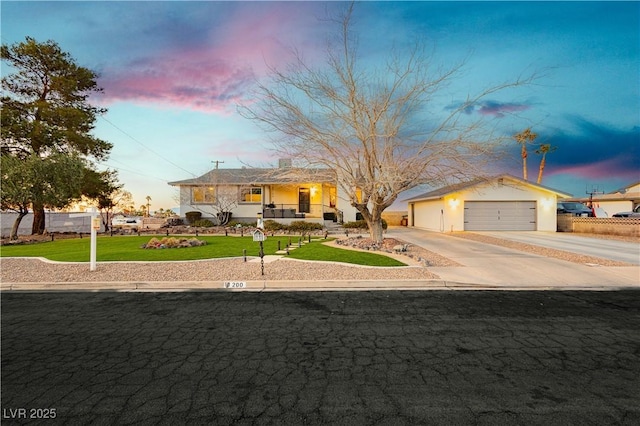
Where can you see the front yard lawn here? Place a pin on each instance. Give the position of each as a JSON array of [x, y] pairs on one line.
[[319, 251], [127, 248]]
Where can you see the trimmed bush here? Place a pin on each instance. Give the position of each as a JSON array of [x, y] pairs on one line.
[[193, 216], [272, 226], [205, 223], [304, 227], [361, 224]]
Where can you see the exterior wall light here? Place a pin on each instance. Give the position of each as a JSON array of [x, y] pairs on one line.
[[454, 202], [546, 203]]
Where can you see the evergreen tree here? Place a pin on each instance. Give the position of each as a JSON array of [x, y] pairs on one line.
[[45, 109]]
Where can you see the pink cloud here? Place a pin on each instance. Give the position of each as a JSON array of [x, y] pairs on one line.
[[597, 170], [206, 83], [217, 74]]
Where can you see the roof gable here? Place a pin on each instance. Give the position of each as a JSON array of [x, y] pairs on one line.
[[634, 187], [441, 192], [257, 176]]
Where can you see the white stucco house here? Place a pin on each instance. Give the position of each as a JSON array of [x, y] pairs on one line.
[[283, 194], [621, 200], [502, 202]]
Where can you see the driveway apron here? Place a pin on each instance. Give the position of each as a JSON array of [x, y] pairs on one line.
[[487, 264], [622, 251]]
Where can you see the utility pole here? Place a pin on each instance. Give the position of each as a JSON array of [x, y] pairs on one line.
[[595, 190], [217, 162]]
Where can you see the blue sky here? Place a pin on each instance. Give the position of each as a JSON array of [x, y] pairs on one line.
[[173, 73]]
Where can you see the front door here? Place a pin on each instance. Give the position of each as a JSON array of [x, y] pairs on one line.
[[304, 200]]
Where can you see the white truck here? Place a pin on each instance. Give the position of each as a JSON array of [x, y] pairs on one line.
[[122, 222]]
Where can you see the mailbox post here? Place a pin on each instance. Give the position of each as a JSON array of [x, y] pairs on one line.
[[258, 235]]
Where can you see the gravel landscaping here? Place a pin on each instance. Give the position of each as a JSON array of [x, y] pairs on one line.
[[36, 270]]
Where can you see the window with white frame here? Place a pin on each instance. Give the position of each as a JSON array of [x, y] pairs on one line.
[[203, 195], [251, 194]]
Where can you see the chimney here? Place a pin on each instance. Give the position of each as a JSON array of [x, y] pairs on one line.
[[284, 163]]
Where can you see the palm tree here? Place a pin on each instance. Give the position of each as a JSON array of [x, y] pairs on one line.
[[148, 198], [544, 149], [523, 138]]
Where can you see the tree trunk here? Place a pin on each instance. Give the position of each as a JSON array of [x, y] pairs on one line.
[[524, 162], [375, 230], [542, 163], [38, 220], [106, 222], [16, 225]]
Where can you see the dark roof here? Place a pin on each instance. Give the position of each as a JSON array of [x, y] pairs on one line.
[[256, 176], [441, 192]]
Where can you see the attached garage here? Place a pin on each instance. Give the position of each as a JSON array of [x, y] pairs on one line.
[[500, 216], [502, 203]]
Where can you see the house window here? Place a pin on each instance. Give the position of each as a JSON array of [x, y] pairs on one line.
[[251, 194], [203, 195]]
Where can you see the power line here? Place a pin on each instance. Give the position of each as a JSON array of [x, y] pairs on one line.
[[130, 171], [147, 148]]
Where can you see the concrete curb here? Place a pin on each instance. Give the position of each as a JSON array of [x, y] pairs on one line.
[[275, 286]]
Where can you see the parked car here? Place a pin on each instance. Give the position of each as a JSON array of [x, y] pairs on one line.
[[575, 208], [634, 213], [122, 222]]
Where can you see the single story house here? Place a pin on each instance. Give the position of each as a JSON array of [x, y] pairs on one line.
[[621, 200], [284, 194], [499, 203]]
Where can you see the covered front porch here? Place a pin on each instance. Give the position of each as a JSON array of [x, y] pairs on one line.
[[313, 202]]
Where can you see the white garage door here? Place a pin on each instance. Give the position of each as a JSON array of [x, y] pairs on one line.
[[500, 216]]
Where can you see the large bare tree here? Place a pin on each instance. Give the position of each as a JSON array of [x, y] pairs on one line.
[[382, 129]]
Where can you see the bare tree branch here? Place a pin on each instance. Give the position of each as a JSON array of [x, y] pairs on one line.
[[374, 126]]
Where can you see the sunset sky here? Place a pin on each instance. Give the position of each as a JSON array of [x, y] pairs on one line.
[[174, 72]]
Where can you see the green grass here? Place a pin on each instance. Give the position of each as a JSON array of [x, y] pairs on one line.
[[127, 248], [318, 251]]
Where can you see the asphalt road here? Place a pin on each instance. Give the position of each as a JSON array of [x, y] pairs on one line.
[[345, 358]]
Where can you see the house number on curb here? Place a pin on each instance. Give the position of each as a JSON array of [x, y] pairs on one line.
[[235, 284]]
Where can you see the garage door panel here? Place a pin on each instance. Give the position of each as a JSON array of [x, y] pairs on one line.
[[500, 216]]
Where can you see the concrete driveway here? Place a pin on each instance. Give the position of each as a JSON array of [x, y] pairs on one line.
[[622, 251], [491, 265]]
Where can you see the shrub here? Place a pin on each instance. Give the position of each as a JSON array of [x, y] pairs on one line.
[[361, 224], [272, 225], [172, 242], [304, 227], [358, 224], [193, 216], [205, 223]]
